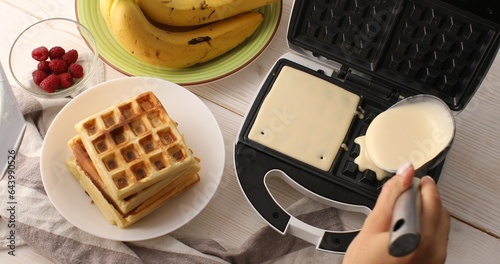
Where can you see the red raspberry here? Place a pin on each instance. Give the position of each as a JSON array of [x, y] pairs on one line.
[[44, 66], [56, 52], [65, 80], [38, 76], [71, 56], [50, 84], [58, 66], [76, 70], [40, 53]]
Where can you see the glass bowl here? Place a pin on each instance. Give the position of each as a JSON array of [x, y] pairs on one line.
[[62, 32]]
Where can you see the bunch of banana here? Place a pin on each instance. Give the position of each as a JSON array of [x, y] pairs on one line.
[[196, 12], [175, 48]]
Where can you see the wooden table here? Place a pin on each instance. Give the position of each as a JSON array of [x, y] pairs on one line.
[[470, 184]]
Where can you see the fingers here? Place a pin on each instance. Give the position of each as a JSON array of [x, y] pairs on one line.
[[431, 203], [435, 222], [435, 219], [380, 218], [443, 232], [444, 225]]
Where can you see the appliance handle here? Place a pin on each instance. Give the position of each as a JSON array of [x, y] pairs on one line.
[[332, 241]]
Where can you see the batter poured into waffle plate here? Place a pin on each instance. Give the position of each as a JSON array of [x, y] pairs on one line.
[[196, 123]]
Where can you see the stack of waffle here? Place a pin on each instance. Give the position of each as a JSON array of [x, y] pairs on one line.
[[131, 159]]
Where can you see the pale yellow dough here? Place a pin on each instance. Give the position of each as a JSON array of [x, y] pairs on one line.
[[305, 117]]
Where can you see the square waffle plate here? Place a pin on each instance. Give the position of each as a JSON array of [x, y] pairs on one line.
[[411, 47], [193, 116]]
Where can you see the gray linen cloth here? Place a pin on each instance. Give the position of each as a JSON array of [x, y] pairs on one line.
[[39, 225]]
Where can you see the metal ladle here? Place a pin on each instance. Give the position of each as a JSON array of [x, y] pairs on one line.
[[405, 225]]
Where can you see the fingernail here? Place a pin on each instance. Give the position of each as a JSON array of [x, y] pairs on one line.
[[403, 168], [427, 176]]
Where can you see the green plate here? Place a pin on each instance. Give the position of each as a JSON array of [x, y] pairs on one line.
[[110, 50]]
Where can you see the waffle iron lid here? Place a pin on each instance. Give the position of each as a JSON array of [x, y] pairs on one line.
[[444, 48]]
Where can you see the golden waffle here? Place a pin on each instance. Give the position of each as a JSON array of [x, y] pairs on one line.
[[129, 204], [108, 209], [134, 145]]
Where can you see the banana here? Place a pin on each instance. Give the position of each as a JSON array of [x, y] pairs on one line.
[[196, 12], [105, 7], [178, 49]]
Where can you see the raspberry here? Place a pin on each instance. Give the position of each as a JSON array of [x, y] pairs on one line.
[[40, 54], [76, 70], [65, 80], [39, 76], [44, 66], [58, 66], [56, 52], [50, 84], [71, 56]]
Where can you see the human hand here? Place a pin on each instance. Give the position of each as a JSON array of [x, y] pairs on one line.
[[372, 243]]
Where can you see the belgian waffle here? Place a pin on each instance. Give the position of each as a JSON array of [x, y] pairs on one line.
[[134, 145], [129, 205], [110, 211]]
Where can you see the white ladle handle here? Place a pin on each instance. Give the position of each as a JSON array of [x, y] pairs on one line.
[[405, 225]]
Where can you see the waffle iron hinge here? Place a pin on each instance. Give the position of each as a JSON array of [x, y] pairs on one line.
[[368, 84]]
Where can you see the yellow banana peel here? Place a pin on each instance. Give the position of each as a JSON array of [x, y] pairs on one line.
[[196, 12], [171, 49]]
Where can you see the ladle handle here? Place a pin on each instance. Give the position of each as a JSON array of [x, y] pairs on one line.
[[405, 225]]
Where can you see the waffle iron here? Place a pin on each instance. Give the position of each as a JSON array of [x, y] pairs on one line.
[[383, 51]]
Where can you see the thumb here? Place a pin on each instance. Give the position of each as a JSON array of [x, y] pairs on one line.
[[379, 219]]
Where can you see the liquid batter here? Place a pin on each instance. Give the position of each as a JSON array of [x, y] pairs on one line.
[[365, 163], [415, 132], [305, 117]]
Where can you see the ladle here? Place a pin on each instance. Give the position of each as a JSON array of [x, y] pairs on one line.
[[405, 225]]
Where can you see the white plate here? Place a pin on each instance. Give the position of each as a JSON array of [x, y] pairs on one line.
[[196, 122]]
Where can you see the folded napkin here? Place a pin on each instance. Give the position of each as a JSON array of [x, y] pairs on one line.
[[39, 225]]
